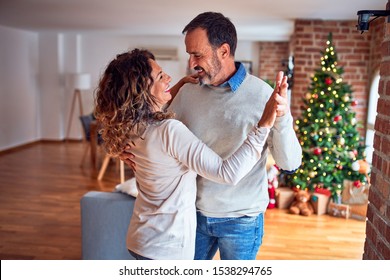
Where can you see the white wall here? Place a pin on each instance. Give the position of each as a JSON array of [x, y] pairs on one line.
[[249, 51], [51, 89], [19, 95], [35, 101]]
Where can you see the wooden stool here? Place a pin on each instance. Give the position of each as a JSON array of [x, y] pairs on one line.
[[105, 163]]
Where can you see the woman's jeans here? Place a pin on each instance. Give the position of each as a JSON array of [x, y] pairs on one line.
[[237, 238]]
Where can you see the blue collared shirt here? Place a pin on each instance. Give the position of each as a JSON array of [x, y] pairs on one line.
[[236, 80]]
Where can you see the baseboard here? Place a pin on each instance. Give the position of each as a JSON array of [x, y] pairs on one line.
[[29, 144], [19, 147]]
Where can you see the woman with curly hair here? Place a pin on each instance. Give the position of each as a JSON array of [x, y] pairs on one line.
[[130, 108]]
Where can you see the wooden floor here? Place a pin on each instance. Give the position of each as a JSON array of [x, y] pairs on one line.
[[40, 190]]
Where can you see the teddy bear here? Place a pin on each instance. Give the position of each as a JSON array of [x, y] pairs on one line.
[[301, 205]]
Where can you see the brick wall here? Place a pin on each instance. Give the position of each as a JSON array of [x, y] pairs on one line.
[[377, 244], [377, 33], [271, 55]]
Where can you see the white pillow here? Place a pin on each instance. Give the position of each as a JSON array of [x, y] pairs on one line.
[[128, 187]]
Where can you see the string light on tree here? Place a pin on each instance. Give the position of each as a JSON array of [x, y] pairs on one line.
[[327, 131]]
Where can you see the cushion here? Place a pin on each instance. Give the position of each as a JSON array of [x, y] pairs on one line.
[[105, 218], [129, 187]]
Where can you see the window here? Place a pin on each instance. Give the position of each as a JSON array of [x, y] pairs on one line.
[[371, 116]]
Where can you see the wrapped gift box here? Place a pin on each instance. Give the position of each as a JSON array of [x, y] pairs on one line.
[[320, 203], [358, 211], [339, 210], [355, 195], [357, 199], [284, 197]]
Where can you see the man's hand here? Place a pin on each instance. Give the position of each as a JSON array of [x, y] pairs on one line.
[[126, 156], [281, 96]]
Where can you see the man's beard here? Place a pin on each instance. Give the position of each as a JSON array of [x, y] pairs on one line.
[[208, 77]]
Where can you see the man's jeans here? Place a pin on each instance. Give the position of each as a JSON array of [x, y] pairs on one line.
[[236, 238], [138, 257]]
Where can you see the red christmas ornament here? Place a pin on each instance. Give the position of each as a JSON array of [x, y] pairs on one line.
[[337, 118], [357, 184], [317, 151], [328, 81], [354, 103]]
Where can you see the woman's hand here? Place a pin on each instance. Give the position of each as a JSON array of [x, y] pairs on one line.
[[192, 78], [281, 97], [277, 104]]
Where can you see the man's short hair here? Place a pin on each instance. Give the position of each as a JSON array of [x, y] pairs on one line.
[[219, 29]]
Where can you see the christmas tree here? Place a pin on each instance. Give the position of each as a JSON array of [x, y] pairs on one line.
[[333, 149]]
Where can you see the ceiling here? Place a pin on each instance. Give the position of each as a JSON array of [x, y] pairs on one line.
[[262, 20]]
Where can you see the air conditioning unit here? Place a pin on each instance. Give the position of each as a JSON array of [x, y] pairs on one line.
[[164, 53]]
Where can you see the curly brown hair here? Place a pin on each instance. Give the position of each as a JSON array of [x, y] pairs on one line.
[[124, 105]]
